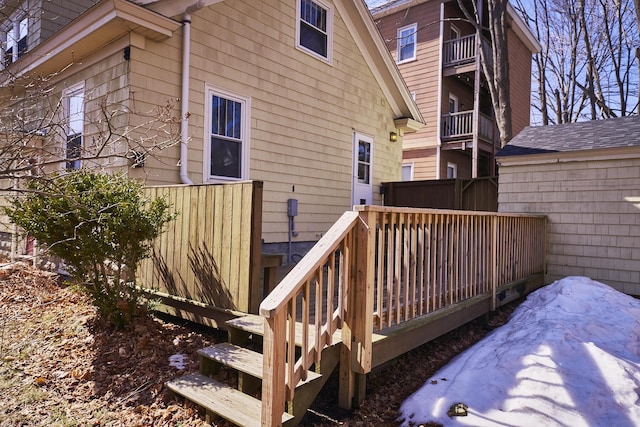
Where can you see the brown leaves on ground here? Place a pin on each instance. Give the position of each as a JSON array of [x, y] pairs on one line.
[[60, 366]]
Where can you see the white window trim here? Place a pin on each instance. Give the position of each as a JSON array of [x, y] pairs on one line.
[[209, 91], [329, 9], [454, 29], [456, 102], [66, 93], [454, 168], [414, 28], [13, 25]]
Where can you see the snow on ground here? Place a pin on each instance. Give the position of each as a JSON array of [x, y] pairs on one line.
[[569, 356]]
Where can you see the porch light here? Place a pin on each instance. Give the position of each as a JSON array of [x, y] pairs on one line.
[[393, 137]]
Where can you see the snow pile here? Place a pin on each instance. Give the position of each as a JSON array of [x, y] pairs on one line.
[[569, 355]]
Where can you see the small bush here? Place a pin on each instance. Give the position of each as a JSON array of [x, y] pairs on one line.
[[101, 226]]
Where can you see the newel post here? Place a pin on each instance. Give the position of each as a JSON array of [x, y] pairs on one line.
[[273, 381], [357, 329]]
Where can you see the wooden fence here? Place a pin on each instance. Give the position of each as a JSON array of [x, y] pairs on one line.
[[208, 260], [478, 194], [377, 268]]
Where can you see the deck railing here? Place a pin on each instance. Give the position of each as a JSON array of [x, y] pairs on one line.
[[463, 50], [379, 267], [459, 50], [457, 124], [460, 124]]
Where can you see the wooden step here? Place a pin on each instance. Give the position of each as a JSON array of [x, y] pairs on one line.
[[254, 324], [229, 403], [241, 359]]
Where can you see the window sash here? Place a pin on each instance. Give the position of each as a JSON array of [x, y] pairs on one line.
[[74, 118], [407, 43], [73, 151], [314, 27], [227, 137]]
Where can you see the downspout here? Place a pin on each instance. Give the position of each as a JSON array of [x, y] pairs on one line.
[[186, 65], [440, 85]]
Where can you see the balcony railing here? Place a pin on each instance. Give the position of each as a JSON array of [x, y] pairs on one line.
[[459, 50], [463, 50], [460, 124]]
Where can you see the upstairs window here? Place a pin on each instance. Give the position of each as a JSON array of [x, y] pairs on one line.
[[15, 40], [227, 137], [407, 43], [315, 28], [73, 99]]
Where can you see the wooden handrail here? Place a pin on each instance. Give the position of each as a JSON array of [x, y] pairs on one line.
[[327, 270]]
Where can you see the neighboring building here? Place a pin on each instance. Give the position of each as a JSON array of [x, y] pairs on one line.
[[585, 177], [435, 49], [300, 94]]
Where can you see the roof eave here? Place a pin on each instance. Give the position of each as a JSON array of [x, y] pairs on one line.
[[103, 23], [596, 154], [523, 31], [368, 38]]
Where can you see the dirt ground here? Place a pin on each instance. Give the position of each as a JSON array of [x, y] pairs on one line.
[[60, 366]]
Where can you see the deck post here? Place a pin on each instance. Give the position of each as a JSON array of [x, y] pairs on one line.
[[494, 261], [355, 355], [273, 381]]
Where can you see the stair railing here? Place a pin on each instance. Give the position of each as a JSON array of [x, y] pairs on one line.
[[324, 279]]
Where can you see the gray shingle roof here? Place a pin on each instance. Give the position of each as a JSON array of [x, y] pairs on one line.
[[591, 135]]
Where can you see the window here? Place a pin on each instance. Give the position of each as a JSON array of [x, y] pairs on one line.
[[73, 99], [15, 40], [407, 171], [452, 170], [364, 162], [454, 33], [407, 43], [315, 28], [227, 149], [453, 103]]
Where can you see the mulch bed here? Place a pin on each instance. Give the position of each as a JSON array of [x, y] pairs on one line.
[[61, 366]]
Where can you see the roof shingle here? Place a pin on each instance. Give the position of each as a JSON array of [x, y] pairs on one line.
[[590, 135]]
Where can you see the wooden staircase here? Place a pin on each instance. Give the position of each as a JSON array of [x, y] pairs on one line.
[[240, 405]]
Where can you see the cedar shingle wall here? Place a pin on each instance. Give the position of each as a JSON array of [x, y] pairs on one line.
[[593, 210], [303, 111]]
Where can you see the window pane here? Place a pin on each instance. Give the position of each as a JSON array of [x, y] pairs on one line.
[[225, 158], [313, 40], [226, 117], [407, 44], [363, 173], [76, 113], [364, 151], [313, 27], [313, 14], [74, 151]]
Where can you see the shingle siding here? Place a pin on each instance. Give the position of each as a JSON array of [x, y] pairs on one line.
[[593, 208]]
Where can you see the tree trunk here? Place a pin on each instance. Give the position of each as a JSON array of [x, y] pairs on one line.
[[500, 82]]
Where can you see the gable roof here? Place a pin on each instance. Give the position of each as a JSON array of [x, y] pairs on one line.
[[575, 137]]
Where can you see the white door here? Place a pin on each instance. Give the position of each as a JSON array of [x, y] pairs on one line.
[[362, 169]]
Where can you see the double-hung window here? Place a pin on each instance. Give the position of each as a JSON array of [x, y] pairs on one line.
[[15, 40], [73, 103], [227, 138], [407, 37], [315, 26]]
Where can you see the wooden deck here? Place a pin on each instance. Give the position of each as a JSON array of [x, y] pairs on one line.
[[392, 269], [380, 282]]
